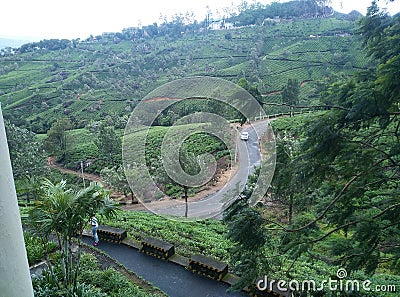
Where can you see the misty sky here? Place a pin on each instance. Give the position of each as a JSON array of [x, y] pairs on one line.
[[40, 19]]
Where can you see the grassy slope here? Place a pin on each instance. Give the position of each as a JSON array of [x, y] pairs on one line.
[[81, 143], [99, 78]]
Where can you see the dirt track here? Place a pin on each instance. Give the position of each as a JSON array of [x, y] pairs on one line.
[[167, 202]]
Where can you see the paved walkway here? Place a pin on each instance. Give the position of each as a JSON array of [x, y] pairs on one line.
[[171, 278]]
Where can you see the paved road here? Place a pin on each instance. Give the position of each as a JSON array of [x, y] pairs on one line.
[[171, 278], [213, 205]]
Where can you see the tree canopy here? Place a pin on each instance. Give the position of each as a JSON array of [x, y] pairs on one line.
[[353, 156], [342, 167], [26, 152], [63, 212], [57, 140]]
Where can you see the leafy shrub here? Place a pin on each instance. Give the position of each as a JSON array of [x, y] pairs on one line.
[[92, 282], [174, 190], [45, 286], [110, 281], [35, 249]]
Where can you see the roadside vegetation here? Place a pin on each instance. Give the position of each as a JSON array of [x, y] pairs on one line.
[[334, 199], [95, 279], [207, 237]]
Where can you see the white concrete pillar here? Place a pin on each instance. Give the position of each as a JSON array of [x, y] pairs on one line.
[[15, 278]]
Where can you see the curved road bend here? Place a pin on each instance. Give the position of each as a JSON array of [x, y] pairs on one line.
[[212, 206], [167, 276]]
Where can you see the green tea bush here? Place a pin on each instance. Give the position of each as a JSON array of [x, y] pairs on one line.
[[202, 237]]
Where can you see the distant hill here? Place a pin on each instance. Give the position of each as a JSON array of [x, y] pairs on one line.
[[13, 43], [88, 80]]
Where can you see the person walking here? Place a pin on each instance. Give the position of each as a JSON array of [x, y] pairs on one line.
[[95, 225]]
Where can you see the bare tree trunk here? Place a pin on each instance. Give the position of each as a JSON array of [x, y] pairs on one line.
[[290, 209], [186, 201], [134, 200]]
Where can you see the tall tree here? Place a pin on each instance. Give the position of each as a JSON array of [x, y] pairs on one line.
[[246, 229], [110, 145], [189, 165], [353, 159], [57, 140], [290, 94], [65, 213], [286, 182], [350, 165], [253, 90], [115, 179]]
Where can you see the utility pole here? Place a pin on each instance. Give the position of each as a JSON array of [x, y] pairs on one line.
[[15, 279], [83, 177], [236, 146]]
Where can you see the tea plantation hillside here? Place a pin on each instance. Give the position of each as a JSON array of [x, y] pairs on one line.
[[108, 74]]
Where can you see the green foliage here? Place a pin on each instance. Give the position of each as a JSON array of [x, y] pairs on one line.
[[93, 282], [109, 145], [253, 244], [343, 175], [205, 237], [72, 180], [245, 231], [36, 248], [111, 282], [342, 168], [46, 286], [30, 186], [290, 93], [283, 251], [196, 144], [115, 178], [89, 80], [57, 142], [26, 152], [84, 145], [356, 149], [81, 146], [286, 181], [64, 213], [258, 13]]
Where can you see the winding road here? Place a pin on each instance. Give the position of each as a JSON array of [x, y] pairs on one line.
[[172, 278], [213, 205]]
